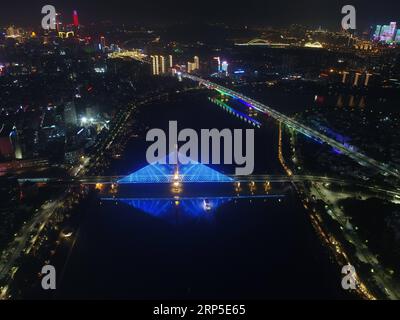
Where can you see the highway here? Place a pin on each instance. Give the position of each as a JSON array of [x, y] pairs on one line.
[[348, 150]]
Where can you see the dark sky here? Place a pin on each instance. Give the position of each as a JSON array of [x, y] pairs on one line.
[[267, 12]]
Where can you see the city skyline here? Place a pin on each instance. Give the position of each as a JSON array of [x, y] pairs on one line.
[[187, 151], [254, 12]]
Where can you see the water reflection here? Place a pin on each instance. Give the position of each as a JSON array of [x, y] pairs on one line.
[[187, 207]]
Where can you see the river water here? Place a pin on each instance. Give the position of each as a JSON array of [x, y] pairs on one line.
[[245, 248]]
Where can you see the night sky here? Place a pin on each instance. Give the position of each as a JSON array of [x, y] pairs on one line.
[[262, 12]]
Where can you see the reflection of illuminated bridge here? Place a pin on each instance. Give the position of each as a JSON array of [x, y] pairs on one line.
[[345, 149], [190, 206]]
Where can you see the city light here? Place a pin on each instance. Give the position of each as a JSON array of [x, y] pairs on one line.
[[206, 150]]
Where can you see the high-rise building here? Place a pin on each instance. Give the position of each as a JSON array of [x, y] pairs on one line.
[[397, 38], [190, 67], [219, 63], [224, 67], [75, 18], [154, 65], [157, 64], [70, 117], [171, 63], [377, 33], [16, 143], [162, 64], [197, 62], [385, 33]]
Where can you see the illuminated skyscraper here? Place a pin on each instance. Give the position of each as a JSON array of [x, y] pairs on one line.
[[385, 33], [154, 65], [171, 64], [219, 63], [75, 18], [196, 62], [162, 64], [224, 67], [16, 143], [190, 67], [397, 38], [377, 33]]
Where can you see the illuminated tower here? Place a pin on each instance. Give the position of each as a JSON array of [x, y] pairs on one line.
[[219, 63], [190, 67], [170, 61], [154, 64], [157, 65], [75, 18], [225, 67], [58, 22], [196, 62], [162, 64]]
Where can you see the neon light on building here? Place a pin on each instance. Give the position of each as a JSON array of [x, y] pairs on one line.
[[75, 18]]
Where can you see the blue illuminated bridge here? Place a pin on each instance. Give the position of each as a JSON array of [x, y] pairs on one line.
[[350, 151], [163, 171]]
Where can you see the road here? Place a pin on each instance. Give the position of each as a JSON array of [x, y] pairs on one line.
[[381, 278], [350, 151]]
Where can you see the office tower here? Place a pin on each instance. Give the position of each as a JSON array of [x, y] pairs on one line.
[[377, 33], [224, 67], [196, 62], [219, 63], [75, 18], [190, 67], [70, 117], [393, 27], [387, 32], [157, 64], [154, 65], [58, 22], [171, 64], [162, 64], [16, 143]]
